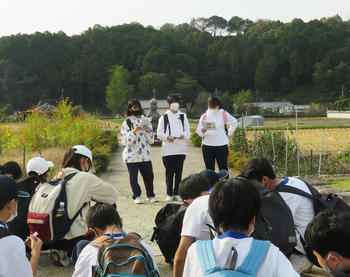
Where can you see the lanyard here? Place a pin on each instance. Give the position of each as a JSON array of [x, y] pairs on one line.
[[285, 181], [233, 234], [115, 236], [3, 225]]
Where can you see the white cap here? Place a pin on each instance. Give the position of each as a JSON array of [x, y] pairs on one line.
[[83, 150], [39, 165]]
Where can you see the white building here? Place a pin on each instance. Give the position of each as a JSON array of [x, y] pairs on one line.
[[284, 108]]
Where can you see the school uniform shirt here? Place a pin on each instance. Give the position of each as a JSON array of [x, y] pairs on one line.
[[13, 260], [88, 258], [195, 219], [301, 207], [178, 146], [275, 263], [137, 145], [217, 137], [82, 188]]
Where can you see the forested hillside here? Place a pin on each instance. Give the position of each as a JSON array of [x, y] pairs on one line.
[[205, 55]]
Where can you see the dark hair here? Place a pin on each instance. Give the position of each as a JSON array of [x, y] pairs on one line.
[[132, 103], [233, 203], [256, 168], [12, 168], [192, 186], [329, 231], [4, 202], [102, 216], [172, 98], [71, 159], [214, 102], [33, 173]]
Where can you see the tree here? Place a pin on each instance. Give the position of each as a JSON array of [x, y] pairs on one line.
[[216, 23], [118, 90], [236, 25], [157, 81]]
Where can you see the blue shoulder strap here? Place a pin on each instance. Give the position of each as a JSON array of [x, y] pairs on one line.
[[255, 257], [206, 256]]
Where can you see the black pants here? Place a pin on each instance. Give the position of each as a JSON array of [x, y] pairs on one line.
[[146, 171], [173, 167], [212, 153]]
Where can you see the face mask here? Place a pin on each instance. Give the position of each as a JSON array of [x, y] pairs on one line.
[[174, 106], [12, 216], [136, 113]]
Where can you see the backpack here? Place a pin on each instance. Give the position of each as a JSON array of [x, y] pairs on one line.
[[224, 117], [249, 267], [129, 123], [4, 233], [18, 226], [122, 257], [47, 213], [166, 123], [268, 226], [167, 232]]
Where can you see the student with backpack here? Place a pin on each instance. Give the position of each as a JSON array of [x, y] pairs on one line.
[[136, 138], [173, 130], [13, 260], [58, 209], [234, 205], [104, 221], [260, 171], [212, 128], [38, 170], [328, 235]]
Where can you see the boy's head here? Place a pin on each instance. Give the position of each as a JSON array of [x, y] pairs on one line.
[[193, 186], [214, 177], [234, 204], [328, 235], [102, 216], [12, 170], [8, 198], [259, 170]]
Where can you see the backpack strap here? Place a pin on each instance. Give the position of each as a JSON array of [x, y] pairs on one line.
[[130, 124], [290, 189], [4, 232], [166, 124], [206, 256], [182, 118], [224, 116], [204, 116], [256, 255]]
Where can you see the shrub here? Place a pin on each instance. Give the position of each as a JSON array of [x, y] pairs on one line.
[[236, 160], [196, 139]]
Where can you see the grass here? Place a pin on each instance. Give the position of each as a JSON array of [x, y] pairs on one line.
[[341, 184]]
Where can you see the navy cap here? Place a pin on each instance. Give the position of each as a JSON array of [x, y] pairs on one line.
[[213, 176], [9, 189]]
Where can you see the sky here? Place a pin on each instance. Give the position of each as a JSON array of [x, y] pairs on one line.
[[76, 16]]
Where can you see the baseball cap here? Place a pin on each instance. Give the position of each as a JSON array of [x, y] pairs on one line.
[[39, 165], [213, 176], [9, 189], [83, 150]]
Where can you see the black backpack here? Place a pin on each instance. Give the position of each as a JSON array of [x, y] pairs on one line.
[[166, 123], [167, 232], [275, 222], [320, 202], [4, 233]]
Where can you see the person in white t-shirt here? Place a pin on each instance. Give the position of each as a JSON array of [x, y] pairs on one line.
[[173, 130], [215, 139], [260, 170], [234, 205], [104, 221], [13, 260]]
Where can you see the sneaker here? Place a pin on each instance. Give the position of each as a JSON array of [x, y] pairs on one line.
[[59, 258], [178, 198], [137, 200], [168, 198], [152, 199]]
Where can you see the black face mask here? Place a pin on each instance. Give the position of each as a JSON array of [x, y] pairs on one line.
[[136, 113]]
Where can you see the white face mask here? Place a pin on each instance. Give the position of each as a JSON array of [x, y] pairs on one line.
[[12, 216], [174, 106]]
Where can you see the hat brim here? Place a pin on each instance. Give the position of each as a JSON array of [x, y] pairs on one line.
[[23, 194], [50, 164], [222, 174]]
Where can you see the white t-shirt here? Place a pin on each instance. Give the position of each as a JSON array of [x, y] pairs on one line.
[[217, 137], [274, 265], [88, 258], [301, 207], [195, 219], [13, 260], [178, 146]]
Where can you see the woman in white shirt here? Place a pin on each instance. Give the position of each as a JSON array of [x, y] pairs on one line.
[[212, 129], [137, 151]]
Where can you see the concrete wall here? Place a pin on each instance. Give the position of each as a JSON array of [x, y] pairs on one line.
[[338, 114]]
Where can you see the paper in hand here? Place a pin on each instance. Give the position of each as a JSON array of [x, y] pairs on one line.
[[209, 125], [146, 121]]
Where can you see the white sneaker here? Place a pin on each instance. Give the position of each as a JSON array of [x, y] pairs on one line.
[[178, 198], [168, 198], [137, 200], [152, 199]]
